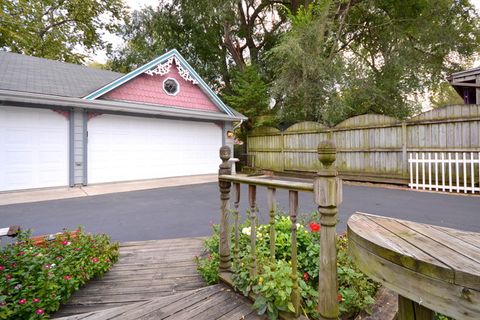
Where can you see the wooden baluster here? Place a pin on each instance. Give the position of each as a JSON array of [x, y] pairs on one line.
[[252, 200], [236, 203], [272, 207], [293, 200], [327, 195], [224, 248]]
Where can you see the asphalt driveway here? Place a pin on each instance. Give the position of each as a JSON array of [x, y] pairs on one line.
[[190, 210]]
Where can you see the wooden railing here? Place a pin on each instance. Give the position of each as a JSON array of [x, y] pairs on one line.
[[327, 194]]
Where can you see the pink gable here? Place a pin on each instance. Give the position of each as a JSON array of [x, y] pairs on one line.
[[149, 89]]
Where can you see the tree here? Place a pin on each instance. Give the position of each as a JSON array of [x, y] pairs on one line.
[[249, 95], [216, 36], [58, 29], [344, 58], [444, 95]]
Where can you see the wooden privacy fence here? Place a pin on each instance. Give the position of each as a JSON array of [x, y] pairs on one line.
[[445, 171], [327, 194], [370, 147]]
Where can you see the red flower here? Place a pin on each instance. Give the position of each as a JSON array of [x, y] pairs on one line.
[[306, 276], [2, 268], [40, 311], [36, 300], [339, 297], [95, 260], [67, 277], [22, 301], [315, 227], [8, 276], [14, 265], [21, 253], [66, 243], [107, 260]]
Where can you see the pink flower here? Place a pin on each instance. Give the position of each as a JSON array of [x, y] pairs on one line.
[[95, 260], [315, 227], [40, 311], [66, 243], [21, 253], [47, 266], [2, 268], [67, 277], [107, 260], [36, 300], [22, 301], [3, 303], [14, 265], [8, 276]]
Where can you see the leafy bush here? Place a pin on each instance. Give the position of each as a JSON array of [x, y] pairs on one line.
[[273, 284], [36, 276]]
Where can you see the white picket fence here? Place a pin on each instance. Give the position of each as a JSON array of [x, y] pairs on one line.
[[445, 171]]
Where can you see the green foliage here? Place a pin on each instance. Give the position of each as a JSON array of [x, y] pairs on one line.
[[273, 284], [444, 95], [249, 95], [54, 29], [191, 27], [35, 278], [345, 58]]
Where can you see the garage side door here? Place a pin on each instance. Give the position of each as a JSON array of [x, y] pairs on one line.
[[33, 149], [122, 148]]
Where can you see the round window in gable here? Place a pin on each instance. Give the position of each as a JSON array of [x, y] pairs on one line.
[[171, 86]]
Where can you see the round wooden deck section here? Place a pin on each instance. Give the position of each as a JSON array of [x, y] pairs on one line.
[[430, 267]]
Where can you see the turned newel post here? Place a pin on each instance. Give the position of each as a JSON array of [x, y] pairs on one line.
[[224, 250], [327, 195]]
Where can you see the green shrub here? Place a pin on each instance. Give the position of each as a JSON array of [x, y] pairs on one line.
[[37, 276], [273, 284]]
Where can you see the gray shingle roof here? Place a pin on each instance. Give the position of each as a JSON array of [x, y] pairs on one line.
[[37, 75]]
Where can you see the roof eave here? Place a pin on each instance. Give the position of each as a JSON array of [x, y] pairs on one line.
[[35, 99]]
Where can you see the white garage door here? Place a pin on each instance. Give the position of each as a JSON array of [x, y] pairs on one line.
[[33, 148], [122, 148]]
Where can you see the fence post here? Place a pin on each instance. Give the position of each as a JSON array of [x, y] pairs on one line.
[[224, 248], [327, 195], [404, 168]]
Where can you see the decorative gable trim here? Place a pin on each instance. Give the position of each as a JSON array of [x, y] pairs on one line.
[[162, 66], [163, 69]]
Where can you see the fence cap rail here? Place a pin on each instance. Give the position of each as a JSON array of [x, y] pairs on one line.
[[268, 182]]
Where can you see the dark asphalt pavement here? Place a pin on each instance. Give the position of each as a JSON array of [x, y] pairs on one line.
[[190, 210]]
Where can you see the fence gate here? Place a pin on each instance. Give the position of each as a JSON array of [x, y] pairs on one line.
[[445, 171]]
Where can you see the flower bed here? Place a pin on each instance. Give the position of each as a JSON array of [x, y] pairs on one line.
[[38, 274], [273, 284]]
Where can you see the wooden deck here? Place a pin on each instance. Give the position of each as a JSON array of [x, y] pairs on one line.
[[156, 280], [430, 267]]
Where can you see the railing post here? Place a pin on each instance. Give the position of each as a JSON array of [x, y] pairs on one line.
[[252, 200], [293, 200], [224, 248], [327, 195], [272, 208], [236, 204]]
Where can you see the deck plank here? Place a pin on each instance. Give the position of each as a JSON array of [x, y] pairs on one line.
[[156, 280]]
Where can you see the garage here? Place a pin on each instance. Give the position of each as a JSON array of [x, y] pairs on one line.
[[63, 124], [34, 148], [122, 148]]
